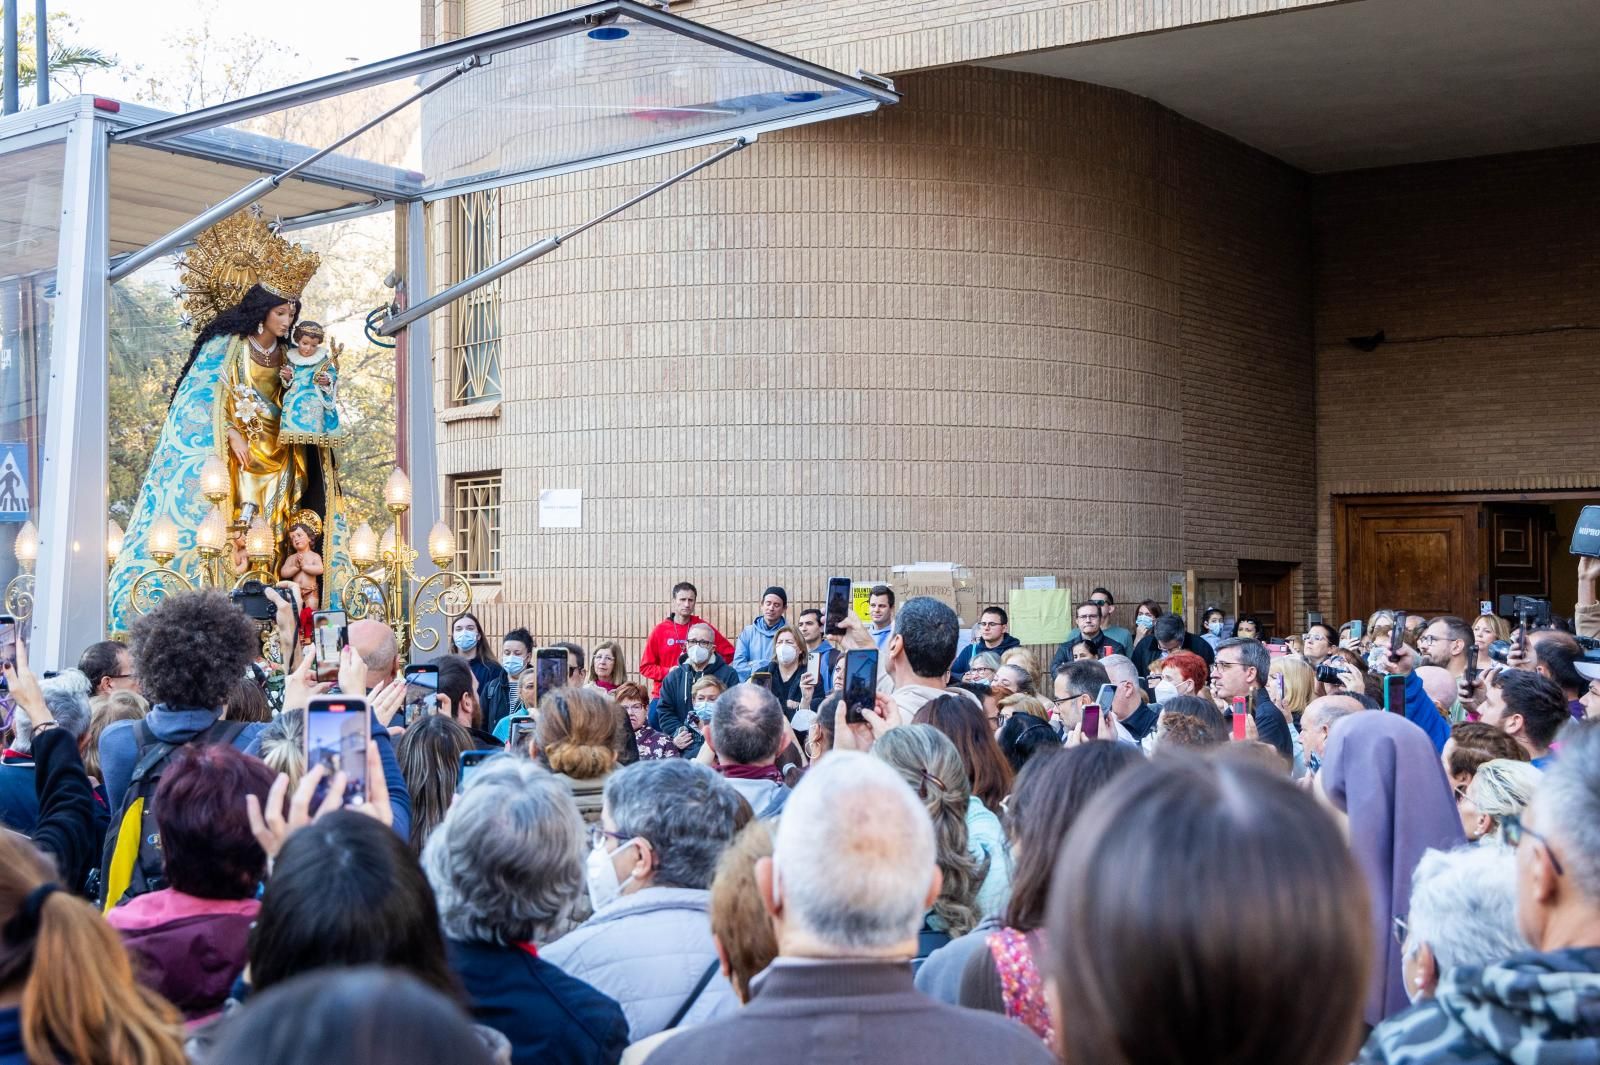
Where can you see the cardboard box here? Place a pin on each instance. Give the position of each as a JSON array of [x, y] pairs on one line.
[[949, 582]]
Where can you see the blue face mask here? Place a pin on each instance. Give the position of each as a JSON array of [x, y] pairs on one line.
[[1215, 628], [1144, 621], [465, 640], [513, 664]]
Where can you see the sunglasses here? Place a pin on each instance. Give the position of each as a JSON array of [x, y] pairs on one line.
[[1512, 830]]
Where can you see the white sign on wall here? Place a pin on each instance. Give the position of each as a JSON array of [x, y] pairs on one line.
[[561, 508]]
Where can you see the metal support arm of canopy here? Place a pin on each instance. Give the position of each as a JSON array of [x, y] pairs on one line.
[[261, 187], [393, 323]]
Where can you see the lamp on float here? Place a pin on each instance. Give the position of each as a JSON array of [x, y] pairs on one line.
[[405, 597], [114, 537], [19, 592]]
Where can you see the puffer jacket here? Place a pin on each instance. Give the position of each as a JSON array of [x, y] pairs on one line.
[[647, 951], [1531, 1008], [677, 696]]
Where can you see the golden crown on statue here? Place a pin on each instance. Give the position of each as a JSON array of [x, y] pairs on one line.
[[236, 253]]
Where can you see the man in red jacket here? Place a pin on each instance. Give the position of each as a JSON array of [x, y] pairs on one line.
[[665, 646]]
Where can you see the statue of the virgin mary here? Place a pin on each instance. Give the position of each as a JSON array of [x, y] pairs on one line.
[[242, 286]]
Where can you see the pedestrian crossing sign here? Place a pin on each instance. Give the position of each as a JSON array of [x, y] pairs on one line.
[[15, 505]]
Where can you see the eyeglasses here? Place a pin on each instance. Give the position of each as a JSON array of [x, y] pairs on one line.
[[698, 643], [1402, 929], [1089, 617], [598, 836], [1220, 665], [1512, 830]]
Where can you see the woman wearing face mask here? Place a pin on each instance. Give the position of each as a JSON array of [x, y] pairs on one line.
[[494, 683], [1144, 618], [1182, 673], [516, 651], [1247, 629], [607, 668], [1211, 626], [792, 679]]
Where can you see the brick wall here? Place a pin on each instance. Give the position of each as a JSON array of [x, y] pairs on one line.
[[981, 326], [1456, 250], [1248, 414]]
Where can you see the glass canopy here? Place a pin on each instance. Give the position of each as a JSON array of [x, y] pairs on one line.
[[92, 191], [583, 88]]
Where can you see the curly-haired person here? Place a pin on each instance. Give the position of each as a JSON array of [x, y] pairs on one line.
[[188, 652]]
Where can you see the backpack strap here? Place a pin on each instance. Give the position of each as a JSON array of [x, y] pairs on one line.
[[688, 1003]]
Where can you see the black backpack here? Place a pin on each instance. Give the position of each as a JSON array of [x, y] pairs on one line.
[[130, 860]]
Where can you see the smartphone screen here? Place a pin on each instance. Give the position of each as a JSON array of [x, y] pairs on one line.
[[338, 729], [1241, 717], [860, 683], [1472, 663], [470, 761], [328, 634], [523, 730], [1397, 634], [422, 691], [838, 605], [1091, 721], [1106, 694], [1394, 693], [7, 643], [551, 666]]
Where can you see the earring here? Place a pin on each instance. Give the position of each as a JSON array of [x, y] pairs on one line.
[[262, 328]]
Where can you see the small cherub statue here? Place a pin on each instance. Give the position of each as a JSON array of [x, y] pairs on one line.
[[310, 411], [304, 566]]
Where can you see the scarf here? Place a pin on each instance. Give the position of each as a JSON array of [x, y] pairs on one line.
[[752, 772]]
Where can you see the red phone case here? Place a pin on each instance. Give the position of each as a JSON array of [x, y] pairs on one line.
[[1240, 717], [1091, 722]]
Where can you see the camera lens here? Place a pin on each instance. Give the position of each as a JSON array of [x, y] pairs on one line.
[[1328, 674], [1499, 650]]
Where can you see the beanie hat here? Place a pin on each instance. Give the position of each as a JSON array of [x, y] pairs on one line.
[[779, 592]]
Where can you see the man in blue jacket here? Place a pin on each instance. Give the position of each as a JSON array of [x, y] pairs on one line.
[[994, 634], [753, 649]]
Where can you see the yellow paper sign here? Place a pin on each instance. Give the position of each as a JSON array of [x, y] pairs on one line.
[[1177, 598], [1041, 615], [859, 594]]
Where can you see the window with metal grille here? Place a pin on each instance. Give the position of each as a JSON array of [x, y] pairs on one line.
[[475, 318], [477, 526]]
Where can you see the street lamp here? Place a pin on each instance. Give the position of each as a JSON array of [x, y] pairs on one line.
[[392, 560], [19, 593]]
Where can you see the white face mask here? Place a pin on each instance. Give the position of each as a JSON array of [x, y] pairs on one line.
[[600, 874], [699, 655], [787, 654], [1165, 690]]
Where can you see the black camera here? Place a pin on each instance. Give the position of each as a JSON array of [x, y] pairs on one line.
[[251, 597], [1525, 608], [1498, 650], [1327, 674]]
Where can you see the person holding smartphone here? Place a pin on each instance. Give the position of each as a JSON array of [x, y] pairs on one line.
[[700, 660]]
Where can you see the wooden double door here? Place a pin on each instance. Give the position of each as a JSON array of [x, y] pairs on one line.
[[1439, 556]]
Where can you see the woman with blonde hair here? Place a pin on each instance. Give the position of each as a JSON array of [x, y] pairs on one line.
[[1486, 629], [1501, 788], [1023, 658], [607, 668], [104, 711], [283, 746], [66, 980], [927, 760], [576, 738], [1291, 681]]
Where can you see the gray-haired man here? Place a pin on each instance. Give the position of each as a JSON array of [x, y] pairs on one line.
[[852, 873], [1537, 1005]]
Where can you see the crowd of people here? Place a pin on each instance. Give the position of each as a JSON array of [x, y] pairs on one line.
[[1370, 843]]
